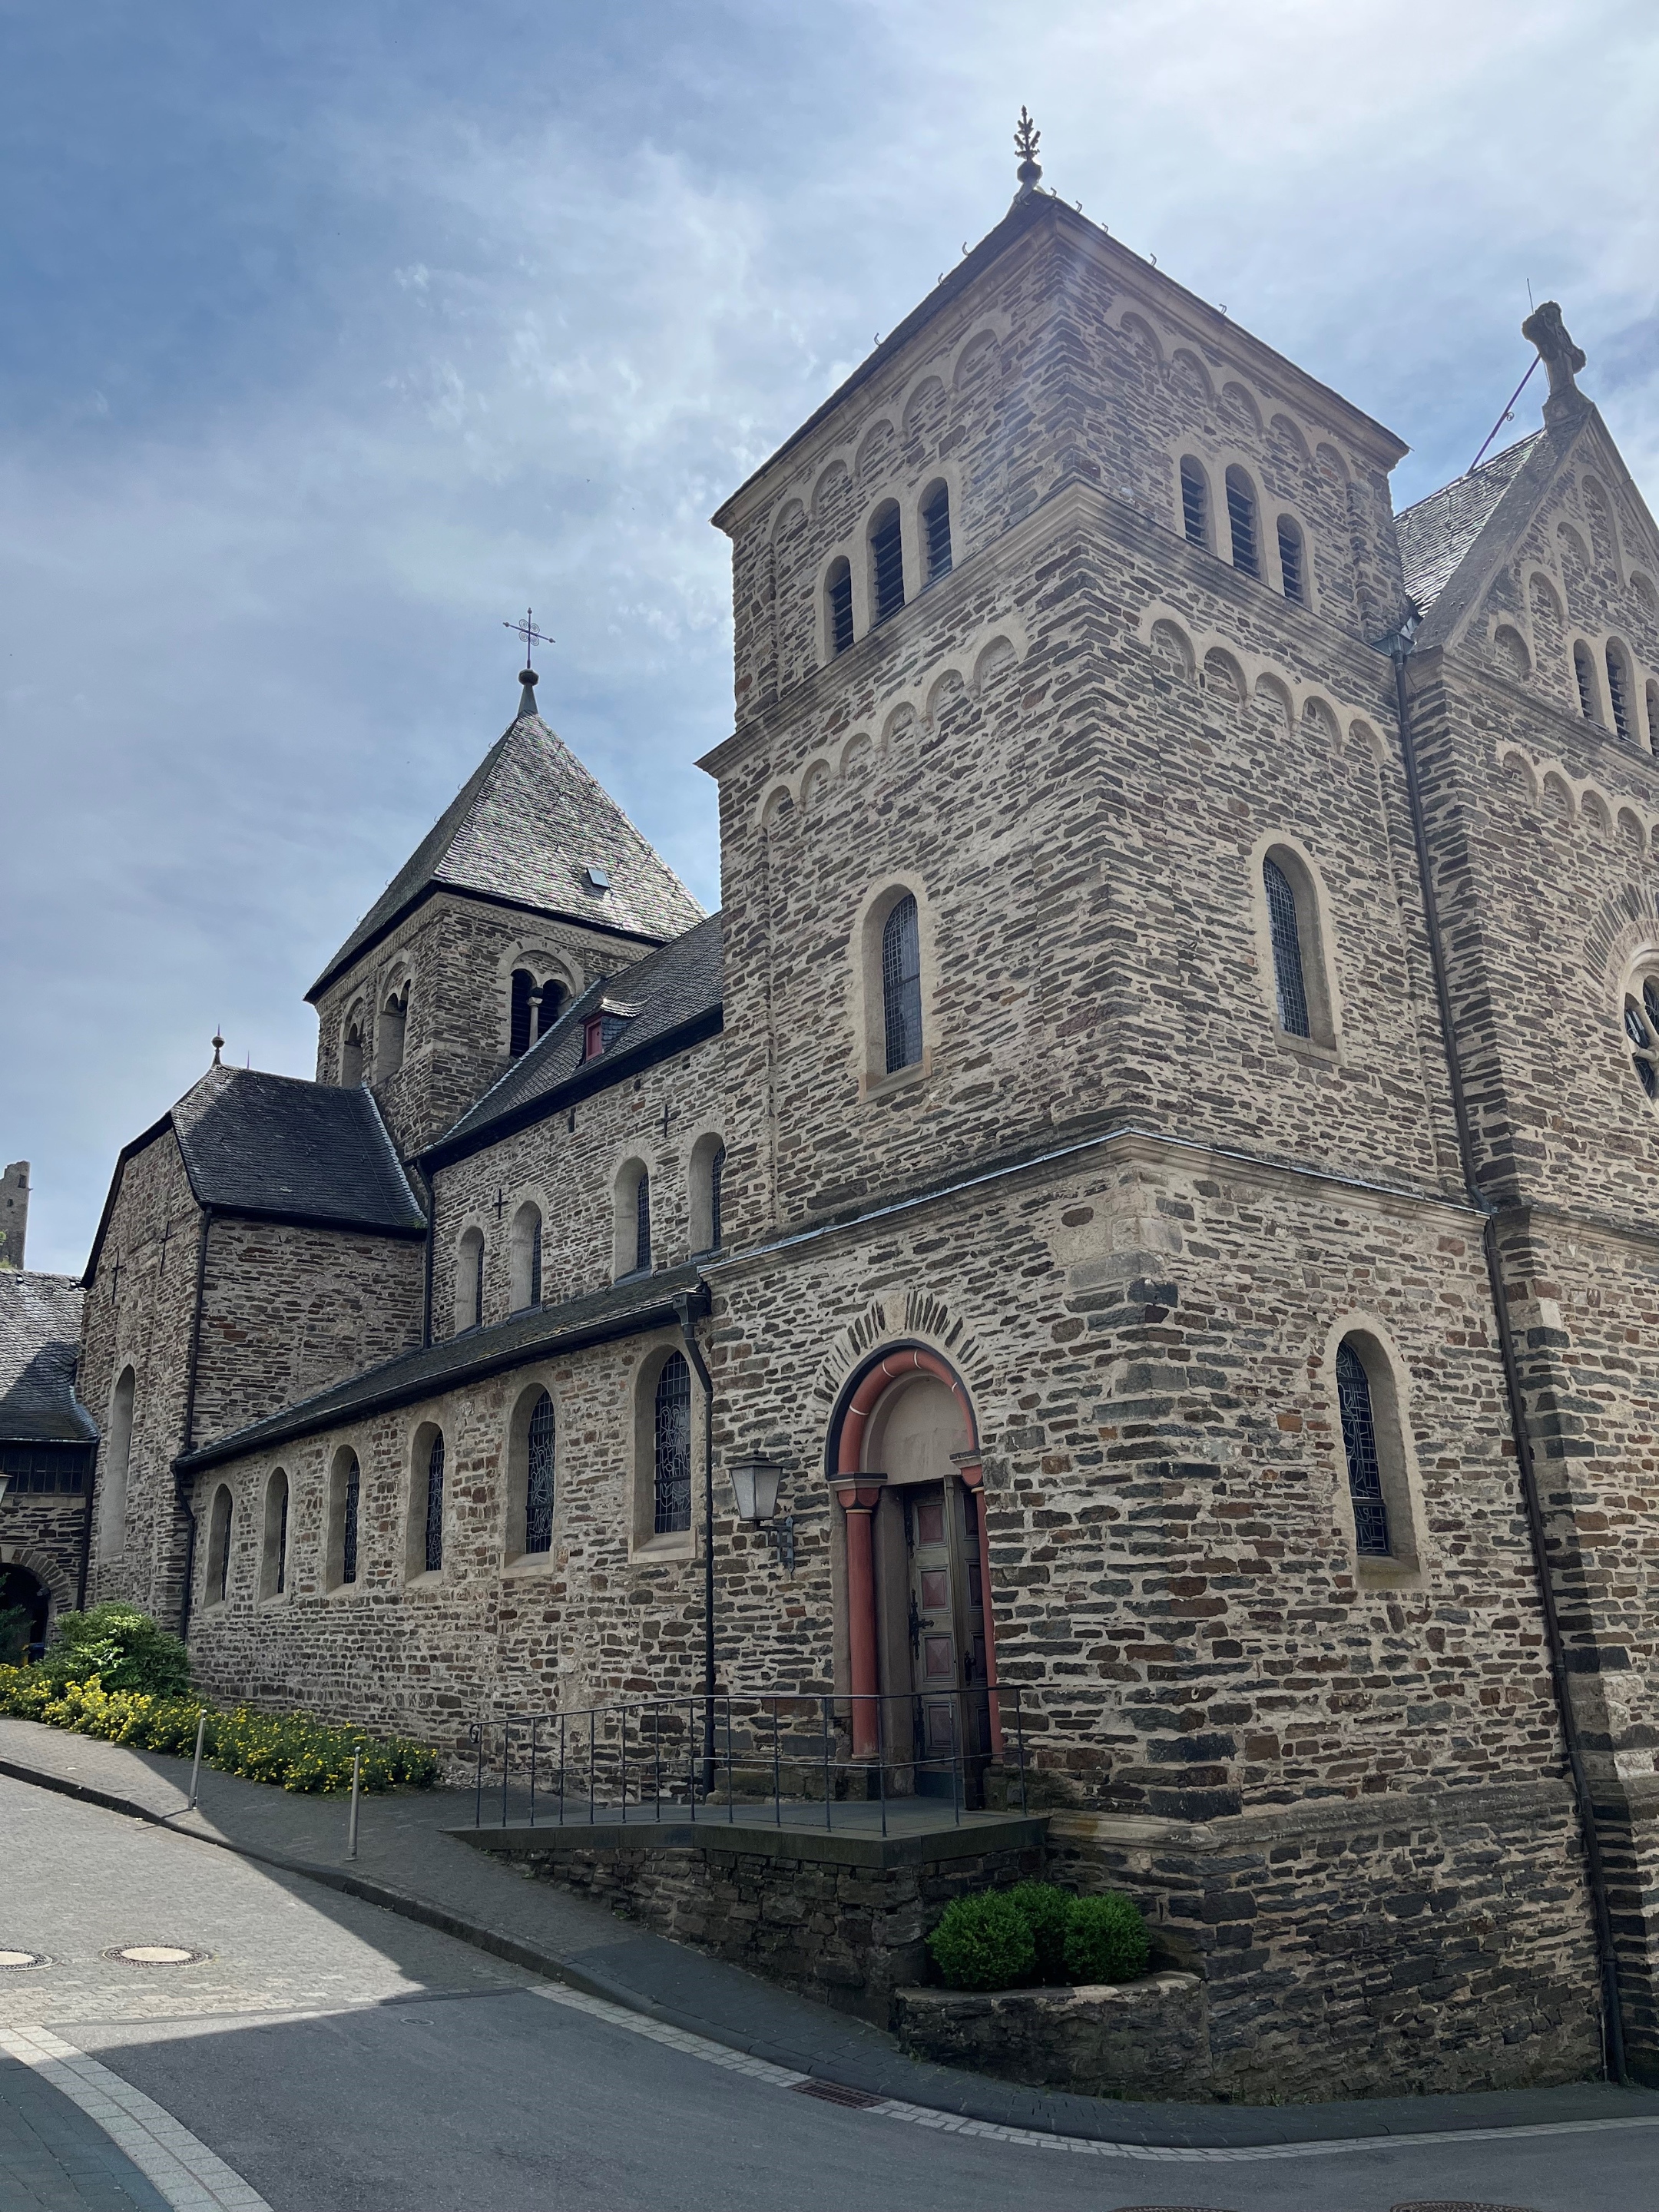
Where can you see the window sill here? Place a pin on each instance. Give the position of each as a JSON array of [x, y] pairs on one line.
[[427, 1579], [1307, 1047], [340, 1590], [1378, 1575], [681, 1545], [531, 1563], [901, 1078], [274, 1598]]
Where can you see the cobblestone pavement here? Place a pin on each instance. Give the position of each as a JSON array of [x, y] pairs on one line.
[[338, 2058]]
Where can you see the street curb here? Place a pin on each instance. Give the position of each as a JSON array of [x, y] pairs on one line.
[[997, 2104]]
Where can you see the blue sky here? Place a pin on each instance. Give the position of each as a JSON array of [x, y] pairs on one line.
[[336, 335]]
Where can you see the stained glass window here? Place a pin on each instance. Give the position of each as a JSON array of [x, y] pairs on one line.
[[1289, 985], [538, 1479], [1642, 1028], [672, 1446], [642, 1221], [348, 1522], [435, 1505], [1371, 1515], [281, 1543], [901, 985]]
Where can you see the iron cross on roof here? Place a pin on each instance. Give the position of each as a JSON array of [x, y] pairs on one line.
[[527, 631]]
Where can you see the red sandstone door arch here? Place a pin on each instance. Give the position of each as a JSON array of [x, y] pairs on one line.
[[920, 1624]]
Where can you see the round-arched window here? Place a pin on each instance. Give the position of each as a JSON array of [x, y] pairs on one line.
[[1642, 1028]]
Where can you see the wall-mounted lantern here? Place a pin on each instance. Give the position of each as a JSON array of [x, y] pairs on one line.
[[755, 1481]]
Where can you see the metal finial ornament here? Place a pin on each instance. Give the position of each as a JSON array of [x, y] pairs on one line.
[[218, 1047], [1027, 137], [527, 677]]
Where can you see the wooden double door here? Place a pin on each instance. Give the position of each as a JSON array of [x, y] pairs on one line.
[[951, 1716]]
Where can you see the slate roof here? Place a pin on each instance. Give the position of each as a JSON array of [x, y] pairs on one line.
[[521, 830], [40, 1338], [1437, 533], [639, 1303], [673, 990]]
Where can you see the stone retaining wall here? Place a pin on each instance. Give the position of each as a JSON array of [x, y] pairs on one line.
[[1145, 2038]]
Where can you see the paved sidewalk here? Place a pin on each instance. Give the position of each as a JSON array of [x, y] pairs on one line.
[[408, 1862]]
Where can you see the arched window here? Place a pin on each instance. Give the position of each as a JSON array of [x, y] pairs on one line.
[[936, 531], [539, 1478], [351, 1057], [707, 1166], [886, 562], [1642, 1028], [1371, 1513], [1241, 519], [218, 1558], [642, 1221], [526, 1256], [1194, 502], [273, 1562], [716, 1173], [344, 1495], [672, 1447], [1584, 669], [838, 598], [394, 1022], [432, 1549], [469, 1280], [901, 985], [1289, 984], [118, 1460], [1653, 718], [523, 984], [549, 1004], [1291, 561], [1619, 691]]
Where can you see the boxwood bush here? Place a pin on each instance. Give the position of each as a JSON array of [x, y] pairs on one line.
[[1002, 1939], [1046, 1909], [1106, 1939], [983, 1942]]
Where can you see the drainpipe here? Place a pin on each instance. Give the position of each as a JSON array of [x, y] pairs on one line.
[[189, 1420], [1399, 646], [426, 1288], [84, 1566], [694, 1352]]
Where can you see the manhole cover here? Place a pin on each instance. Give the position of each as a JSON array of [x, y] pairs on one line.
[[1454, 2204], [156, 1954], [832, 2093], [23, 1959]]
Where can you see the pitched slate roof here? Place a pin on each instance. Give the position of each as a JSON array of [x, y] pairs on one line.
[[523, 828], [39, 1337], [674, 990], [623, 1310], [1437, 533]]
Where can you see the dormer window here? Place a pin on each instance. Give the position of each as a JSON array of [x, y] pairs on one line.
[[592, 1036]]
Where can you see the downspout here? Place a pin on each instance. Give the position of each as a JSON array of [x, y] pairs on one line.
[[84, 1567], [694, 1353], [189, 1421], [1399, 646], [426, 1288]]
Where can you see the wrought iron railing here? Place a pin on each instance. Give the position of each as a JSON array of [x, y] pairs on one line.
[[866, 1759]]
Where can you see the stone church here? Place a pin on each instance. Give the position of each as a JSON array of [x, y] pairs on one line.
[[1157, 1155]]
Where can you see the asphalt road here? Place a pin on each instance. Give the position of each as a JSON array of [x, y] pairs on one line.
[[339, 2059]]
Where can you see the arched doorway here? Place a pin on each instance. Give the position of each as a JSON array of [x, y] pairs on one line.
[[921, 1637], [24, 1607]]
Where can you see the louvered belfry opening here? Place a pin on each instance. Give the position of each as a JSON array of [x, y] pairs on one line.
[[1290, 560], [887, 563], [1585, 671], [1241, 517], [839, 589], [672, 1447], [1371, 1515], [524, 984], [1195, 503], [901, 985], [936, 528], [1290, 985], [1618, 692]]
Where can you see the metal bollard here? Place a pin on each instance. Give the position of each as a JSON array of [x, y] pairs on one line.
[[196, 1771], [351, 1832]]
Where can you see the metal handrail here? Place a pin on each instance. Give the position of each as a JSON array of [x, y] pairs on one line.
[[613, 1773]]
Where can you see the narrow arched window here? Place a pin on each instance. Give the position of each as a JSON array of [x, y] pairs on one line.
[[716, 1173], [525, 1257], [549, 1004], [273, 1569], [1371, 1515], [672, 1447], [539, 1478], [1195, 503], [1642, 1028], [901, 985], [886, 562], [936, 530], [1618, 692], [351, 1057], [1653, 718], [219, 1547], [838, 595], [1241, 520], [394, 1024], [118, 1463], [1289, 984], [1584, 669], [353, 1493], [469, 1280], [524, 984], [1292, 560], [435, 1505], [642, 1220]]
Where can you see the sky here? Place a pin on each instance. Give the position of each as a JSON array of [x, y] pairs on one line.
[[337, 334]]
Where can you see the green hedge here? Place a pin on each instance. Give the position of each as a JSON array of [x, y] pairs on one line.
[[288, 1749], [1005, 1939], [122, 1646]]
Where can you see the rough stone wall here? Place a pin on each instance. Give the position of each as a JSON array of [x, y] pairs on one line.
[[43, 1532], [457, 955], [138, 1312], [286, 1312], [568, 1166]]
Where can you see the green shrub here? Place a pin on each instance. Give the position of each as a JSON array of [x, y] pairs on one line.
[[983, 1942], [1106, 1939], [123, 1647], [15, 1625], [1045, 1909], [288, 1749]]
